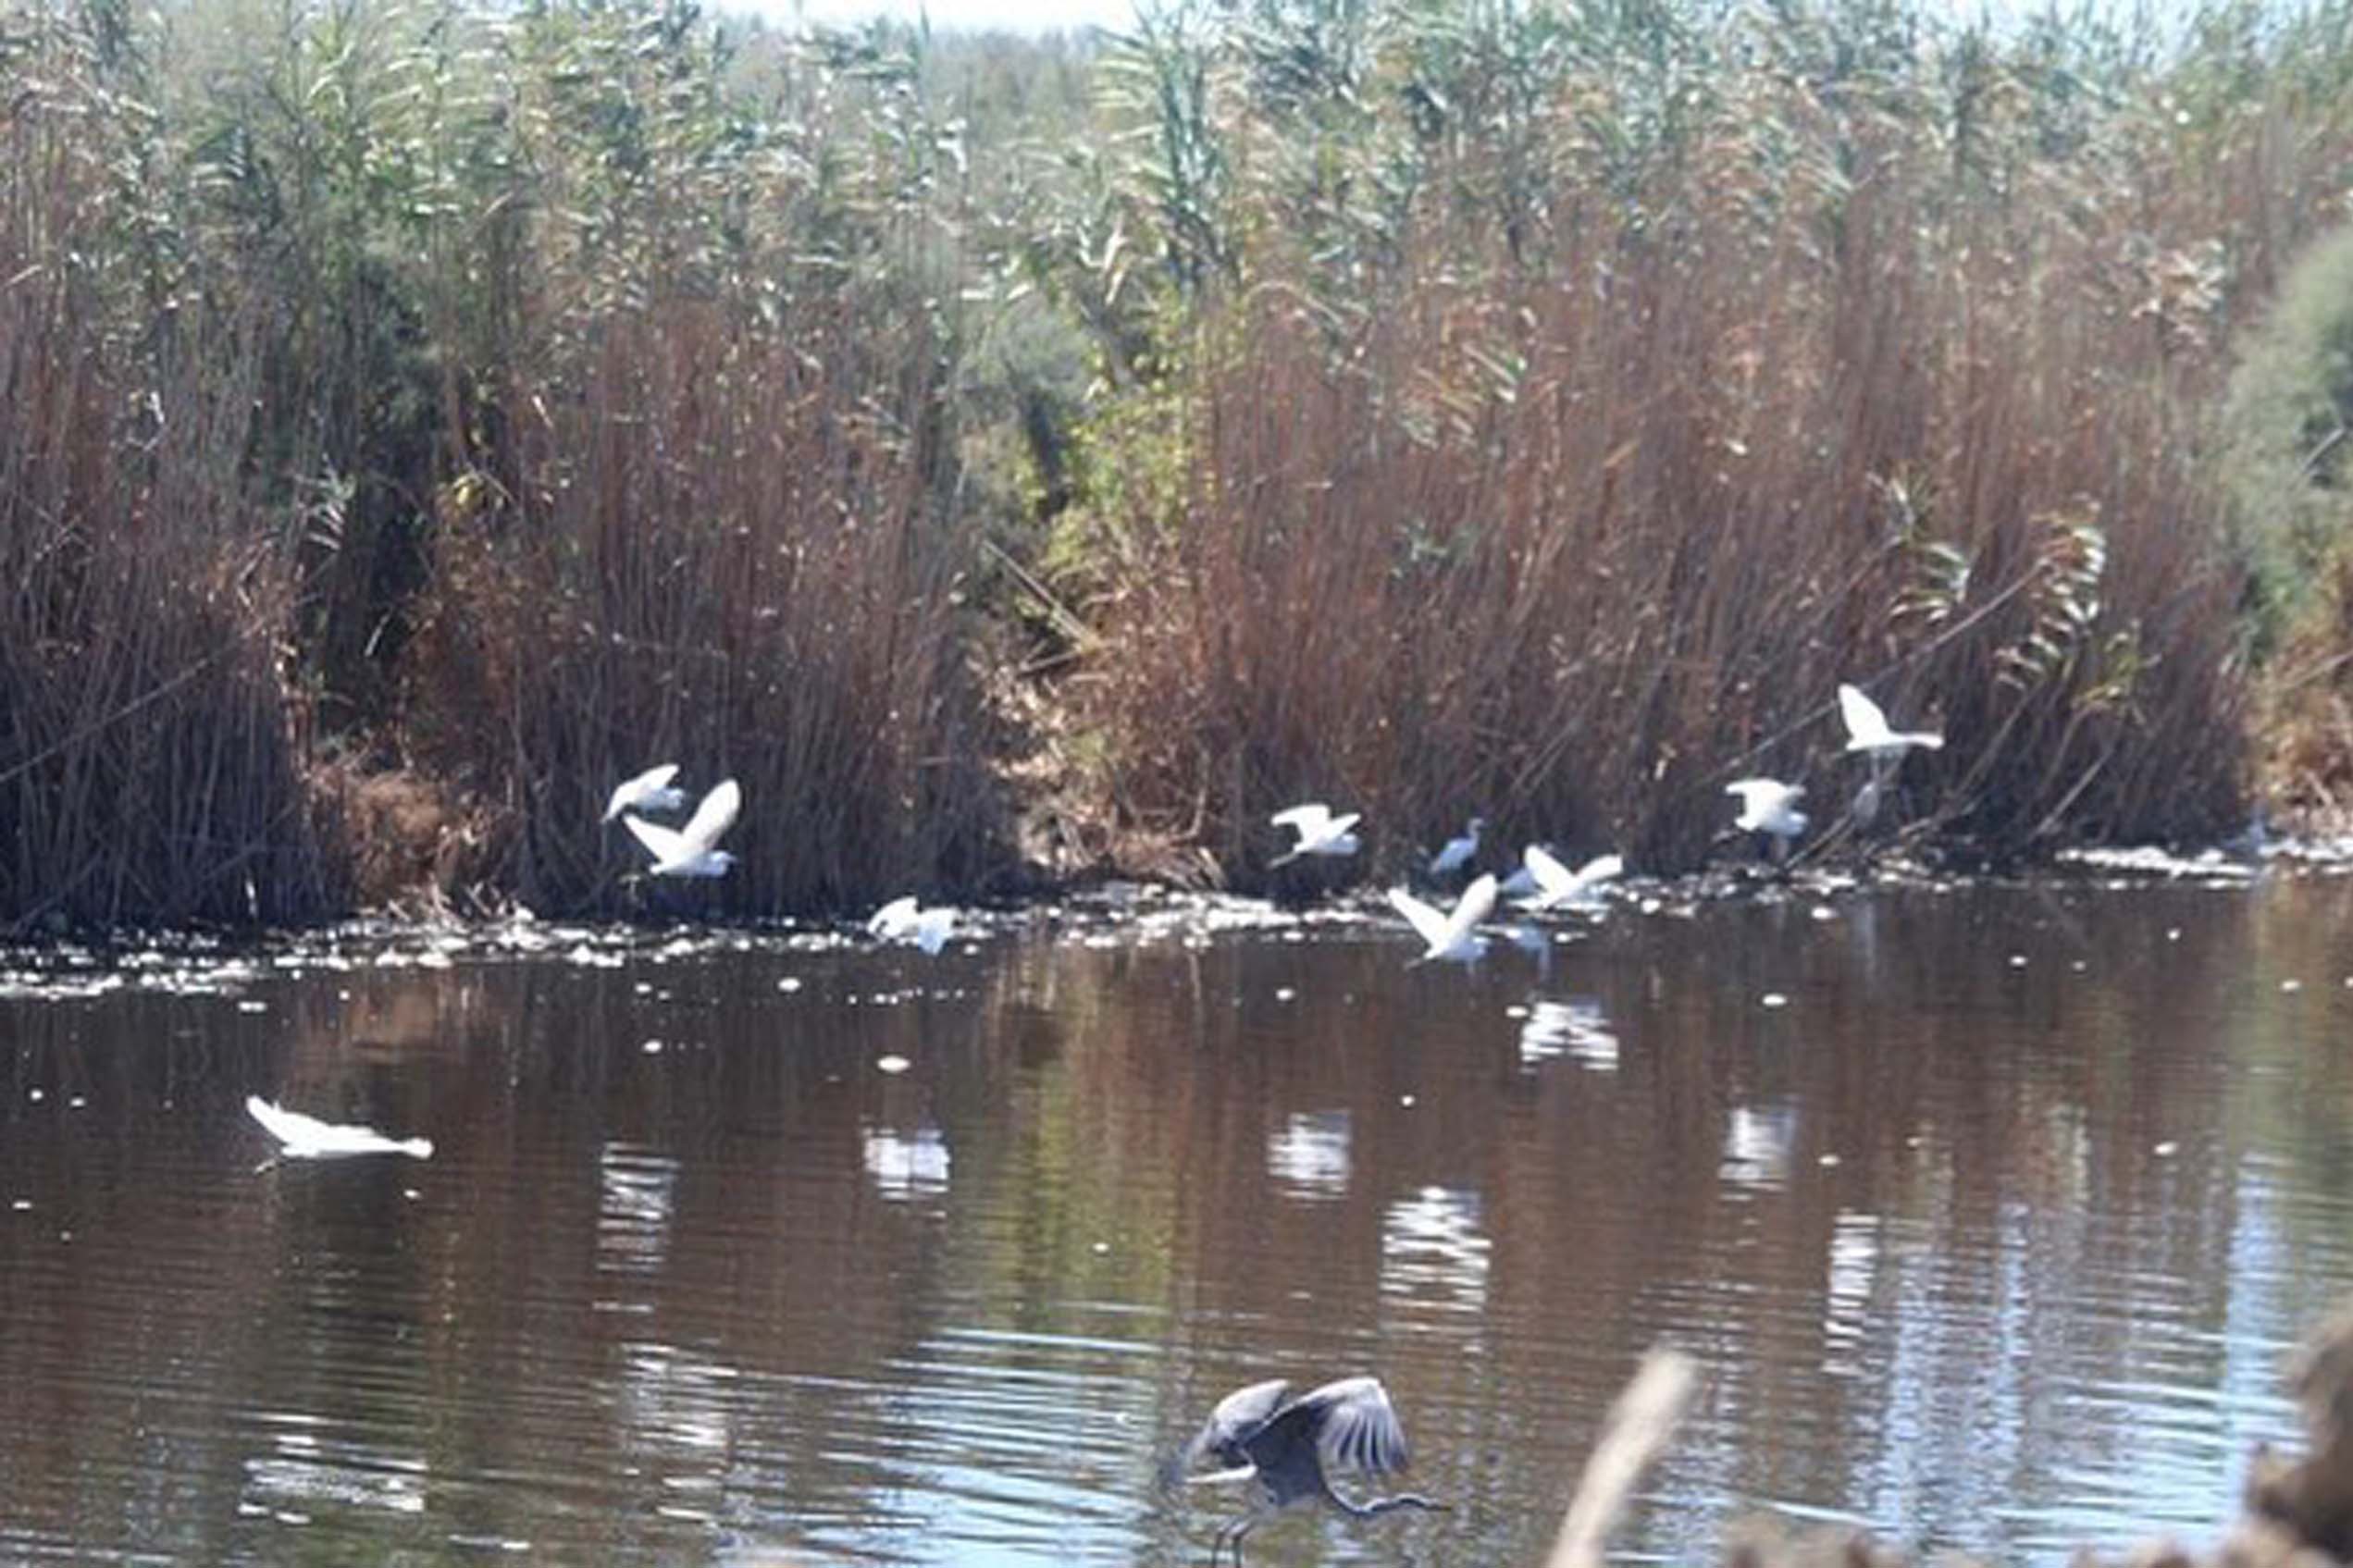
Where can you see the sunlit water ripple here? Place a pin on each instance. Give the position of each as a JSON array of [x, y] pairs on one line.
[[1990, 1227]]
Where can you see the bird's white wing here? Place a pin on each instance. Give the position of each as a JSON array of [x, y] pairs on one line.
[[665, 845], [1428, 923], [713, 817], [1867, 725], [1357, 1426], [287, 1127], [630, 792], [1335, 827], [1553, 879], [933, 927], [1764, 794], [893, 918], [1477, 903], [1313, 820], [1599, 870]]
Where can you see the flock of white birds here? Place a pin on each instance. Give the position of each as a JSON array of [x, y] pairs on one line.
[[1541, 883]]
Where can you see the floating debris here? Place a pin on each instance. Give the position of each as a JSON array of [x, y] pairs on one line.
[[893, 1065]]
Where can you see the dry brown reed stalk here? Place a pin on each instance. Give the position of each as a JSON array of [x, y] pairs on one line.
[[150, 749], [1637, 1431], [726, 551], [1576, 547]]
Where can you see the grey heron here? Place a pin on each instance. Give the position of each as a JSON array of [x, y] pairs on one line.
[[1458, 851], [1286, 1445]]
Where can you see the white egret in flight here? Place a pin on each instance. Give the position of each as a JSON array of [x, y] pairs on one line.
[[650, 791], [1556, 885], [1768, 806], [1867, 728], [1454, 936], [1319, 832], [688, 851], [902, 920]]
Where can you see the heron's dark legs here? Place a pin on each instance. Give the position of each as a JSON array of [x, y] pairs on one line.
[[1239, 1531]]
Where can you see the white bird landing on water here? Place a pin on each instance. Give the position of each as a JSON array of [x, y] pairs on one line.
[[1553, 885], [1454, 936], [1458, 851], [902, 920], [1768, 806], [1319, 832], [307, 1137], [1867, 728], [650, 791], [688, 851]]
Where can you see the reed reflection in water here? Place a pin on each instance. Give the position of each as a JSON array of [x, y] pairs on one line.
[[1991, 1235]]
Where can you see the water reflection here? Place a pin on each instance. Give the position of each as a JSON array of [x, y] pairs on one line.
[[1309, 1159], [2002, 1256], [907, 1164], [1577, 1028], [1757, 1140], [1435, 1253]]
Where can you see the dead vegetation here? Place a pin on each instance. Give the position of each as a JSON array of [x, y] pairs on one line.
[[2296, 1512]]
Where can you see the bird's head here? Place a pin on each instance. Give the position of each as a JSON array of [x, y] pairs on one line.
[[722, 861]]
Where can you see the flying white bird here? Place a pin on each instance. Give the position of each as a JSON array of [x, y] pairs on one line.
[[1319, 832], [902, 920], [1867, 728], [1768, 806], [1458, 851], [307, 1137], [688, 852], [1556, 885], [650, 791], [1454, 936]]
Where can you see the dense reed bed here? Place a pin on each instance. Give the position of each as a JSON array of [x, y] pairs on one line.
[[729, 555], [152, 748], [419, 417], [1848, 385]]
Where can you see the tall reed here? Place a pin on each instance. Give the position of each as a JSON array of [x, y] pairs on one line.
[[1868, 375], [728, 554], [151, 747]]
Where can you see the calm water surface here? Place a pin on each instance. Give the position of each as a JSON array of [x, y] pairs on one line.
[[1991, 1235]]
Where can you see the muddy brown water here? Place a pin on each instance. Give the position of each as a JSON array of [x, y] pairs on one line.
[[1990, 1235]]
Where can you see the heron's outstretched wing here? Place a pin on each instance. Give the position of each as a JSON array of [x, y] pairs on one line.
[[1428, 923], [713, 817], [1477, 903], [665, 845], [1354, 1426], [1237, 1415]]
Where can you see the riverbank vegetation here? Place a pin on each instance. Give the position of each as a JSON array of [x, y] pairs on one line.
[[1009, 455]]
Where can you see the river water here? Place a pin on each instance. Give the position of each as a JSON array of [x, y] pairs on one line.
[[1989, 1212]]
